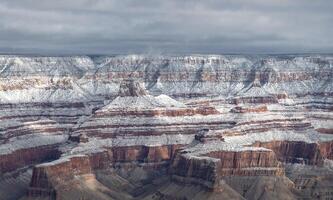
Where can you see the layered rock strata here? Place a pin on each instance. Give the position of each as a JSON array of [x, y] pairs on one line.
[[47, 177], [258, 114]]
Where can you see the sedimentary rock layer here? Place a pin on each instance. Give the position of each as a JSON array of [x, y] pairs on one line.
[[199, 119]]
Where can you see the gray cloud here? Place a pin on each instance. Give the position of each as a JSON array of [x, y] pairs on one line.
[[173, 26]]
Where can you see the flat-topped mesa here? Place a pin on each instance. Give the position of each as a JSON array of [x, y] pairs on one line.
[[209, 158], [206, 165], [214, 154], [132, 88]]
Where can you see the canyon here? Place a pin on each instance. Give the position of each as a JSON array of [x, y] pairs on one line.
[[166, 127]]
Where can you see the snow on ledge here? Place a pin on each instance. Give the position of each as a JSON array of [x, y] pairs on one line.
[[30, 141], [97, 144], [60, 160]]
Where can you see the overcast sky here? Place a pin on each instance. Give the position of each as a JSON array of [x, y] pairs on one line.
[[169, 26]]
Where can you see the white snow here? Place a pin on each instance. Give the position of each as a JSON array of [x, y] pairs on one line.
[[168, 101], [325, 137], [98, 144], [86, 79], [146, 101], [63, 159], [274, 135], [30, 141], [199, 149], [243, 142]]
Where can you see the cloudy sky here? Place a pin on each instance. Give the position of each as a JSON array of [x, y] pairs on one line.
[[169, 26]]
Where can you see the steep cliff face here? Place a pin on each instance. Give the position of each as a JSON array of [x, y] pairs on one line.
[[46, 178], [296, 152], [203, 171], [199, 119], [209, 169], [49, 180], [23, 157], [326, 149]]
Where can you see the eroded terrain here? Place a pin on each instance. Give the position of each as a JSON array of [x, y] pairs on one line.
[[166, 127]]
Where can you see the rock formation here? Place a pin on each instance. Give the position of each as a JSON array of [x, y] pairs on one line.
[[125, 127]]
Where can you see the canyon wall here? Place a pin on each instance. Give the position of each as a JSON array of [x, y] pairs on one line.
[[199, 118]]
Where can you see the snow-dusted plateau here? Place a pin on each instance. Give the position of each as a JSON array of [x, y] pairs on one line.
[[166, 127]]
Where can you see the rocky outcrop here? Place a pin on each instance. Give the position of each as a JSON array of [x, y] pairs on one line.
[[50, 178], [326, 149], [203, 171], [131, 88], [24, 157], [207, 170], [47, 177], [295, 152], [97, 113]]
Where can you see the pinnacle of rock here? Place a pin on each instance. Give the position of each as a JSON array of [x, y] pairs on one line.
[[256, 83], [132, 88]]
